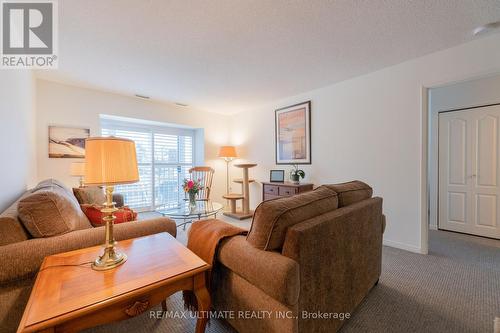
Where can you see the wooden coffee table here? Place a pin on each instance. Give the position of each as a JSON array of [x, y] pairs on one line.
[[69, 296]]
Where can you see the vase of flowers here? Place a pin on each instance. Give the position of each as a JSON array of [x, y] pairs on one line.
[[296, 174], [191, 187]]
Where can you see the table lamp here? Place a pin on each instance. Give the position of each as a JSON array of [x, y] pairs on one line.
[[78, 170], [110, 161], [228, 153]]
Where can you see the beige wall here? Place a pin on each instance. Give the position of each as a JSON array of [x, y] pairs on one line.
[[59, 104], [372, 128], [17, 133]]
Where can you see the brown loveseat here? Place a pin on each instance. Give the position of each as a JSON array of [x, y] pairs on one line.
[[306, 260], [21, 254]]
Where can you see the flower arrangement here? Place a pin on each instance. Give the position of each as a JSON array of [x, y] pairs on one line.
[[191, 187], [296, 174]]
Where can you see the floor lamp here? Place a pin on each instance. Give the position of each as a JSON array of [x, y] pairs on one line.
[[228, 153]]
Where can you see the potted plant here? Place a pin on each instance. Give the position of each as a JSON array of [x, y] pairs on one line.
[[296, 174], [191, 187]]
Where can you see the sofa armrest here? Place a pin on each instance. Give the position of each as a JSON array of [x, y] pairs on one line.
[[23, 259], [118, 200], [271, 272]]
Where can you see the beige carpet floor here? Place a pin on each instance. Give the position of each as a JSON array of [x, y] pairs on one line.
[[456, 288]]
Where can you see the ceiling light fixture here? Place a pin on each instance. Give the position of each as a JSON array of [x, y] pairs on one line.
[[142, 96], [486, 28]]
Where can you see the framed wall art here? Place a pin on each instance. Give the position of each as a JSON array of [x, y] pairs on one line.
[[67, 142], [293, 134]]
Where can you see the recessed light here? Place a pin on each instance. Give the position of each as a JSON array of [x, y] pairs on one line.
[[142, 96], [486, 28]]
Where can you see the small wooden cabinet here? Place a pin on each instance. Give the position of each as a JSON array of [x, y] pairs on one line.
[[286, 189]]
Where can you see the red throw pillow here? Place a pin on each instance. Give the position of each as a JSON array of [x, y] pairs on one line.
[[94, 214]]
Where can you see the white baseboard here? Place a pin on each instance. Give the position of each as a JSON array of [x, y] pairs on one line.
[[403, 246]]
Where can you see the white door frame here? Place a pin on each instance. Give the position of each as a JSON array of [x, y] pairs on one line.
[[424, 173], [428, 164]]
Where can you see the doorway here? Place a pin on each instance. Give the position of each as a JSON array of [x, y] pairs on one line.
[[469, 189]]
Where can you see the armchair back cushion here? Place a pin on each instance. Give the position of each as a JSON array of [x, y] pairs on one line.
[[351, 192], [272, 218]]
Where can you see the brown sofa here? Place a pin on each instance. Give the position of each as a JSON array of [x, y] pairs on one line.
[[21, 254], [317, 253]]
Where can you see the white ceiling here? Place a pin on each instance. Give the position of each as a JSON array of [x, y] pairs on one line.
[[230, 55]]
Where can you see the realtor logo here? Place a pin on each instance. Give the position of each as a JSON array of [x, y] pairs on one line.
[[29, 38]]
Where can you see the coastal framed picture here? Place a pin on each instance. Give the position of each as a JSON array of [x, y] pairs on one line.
[[293, 134], [67, 142]]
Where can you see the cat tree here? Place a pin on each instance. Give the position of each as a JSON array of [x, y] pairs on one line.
[[245, 196]]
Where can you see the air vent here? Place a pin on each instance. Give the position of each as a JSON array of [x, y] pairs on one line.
[[182, 104], [142, 96]]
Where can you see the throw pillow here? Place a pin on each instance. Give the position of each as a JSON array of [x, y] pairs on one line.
[[48, 213], [94, 214], [92, 195]]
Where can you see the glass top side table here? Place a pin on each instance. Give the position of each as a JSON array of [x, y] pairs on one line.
[[186, 213]]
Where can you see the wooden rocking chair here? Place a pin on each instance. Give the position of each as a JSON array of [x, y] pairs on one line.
[[204, 175]]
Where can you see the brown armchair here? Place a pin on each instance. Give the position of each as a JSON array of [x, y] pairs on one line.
[[314, 252]]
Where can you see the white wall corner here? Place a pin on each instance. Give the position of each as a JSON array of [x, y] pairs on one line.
[[402, 246]]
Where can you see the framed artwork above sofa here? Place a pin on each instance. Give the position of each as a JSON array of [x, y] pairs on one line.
[[293, 134], [67, 142]]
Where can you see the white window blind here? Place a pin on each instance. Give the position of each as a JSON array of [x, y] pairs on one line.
[[164, 156]]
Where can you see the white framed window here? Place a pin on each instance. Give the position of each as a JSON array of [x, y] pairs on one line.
[[164, 156]]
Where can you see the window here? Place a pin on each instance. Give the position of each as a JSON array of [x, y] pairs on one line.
[[164, 157]]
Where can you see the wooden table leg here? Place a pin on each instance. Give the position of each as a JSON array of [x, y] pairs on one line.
[[203, 298], [164, 305]]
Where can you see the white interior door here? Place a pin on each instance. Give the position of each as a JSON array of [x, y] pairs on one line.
[[469, 195]]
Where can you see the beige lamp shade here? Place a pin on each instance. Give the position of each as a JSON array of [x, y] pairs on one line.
[[110, 161], [77, 169], [227, 152]]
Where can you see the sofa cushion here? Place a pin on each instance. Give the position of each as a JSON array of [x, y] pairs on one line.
[[92, 195], [272, 218], [11, 228], [351, 192], [46, 213], [282, 282], [51, 210], [95, 216], [54, 184]]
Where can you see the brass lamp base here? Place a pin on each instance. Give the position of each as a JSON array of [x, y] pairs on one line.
[[110, 258]]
